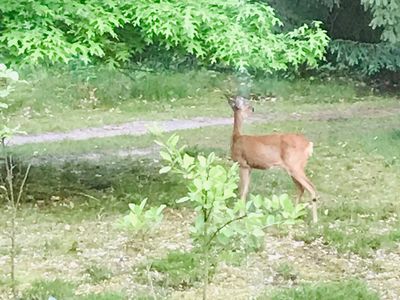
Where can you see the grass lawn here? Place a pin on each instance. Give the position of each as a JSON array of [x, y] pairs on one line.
[[69, 246], [60, 101]]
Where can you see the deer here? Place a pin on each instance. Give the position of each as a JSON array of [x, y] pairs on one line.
[[288, 151]]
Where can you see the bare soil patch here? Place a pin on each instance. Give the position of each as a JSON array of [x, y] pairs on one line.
[[60, 250]]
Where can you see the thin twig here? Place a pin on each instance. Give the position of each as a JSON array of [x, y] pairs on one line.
[[151, 282], [21, 188], [9, 180], [223, 226], [11, 200], [88, 196]]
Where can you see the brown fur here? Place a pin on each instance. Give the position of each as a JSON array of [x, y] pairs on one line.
[[287, 151]]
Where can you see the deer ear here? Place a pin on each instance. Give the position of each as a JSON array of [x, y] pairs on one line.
[[228, 96], [232, 103]]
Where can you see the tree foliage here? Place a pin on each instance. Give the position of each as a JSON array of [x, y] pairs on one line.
[[386, 15], [8, 78], [263, 35], [50, 31], [365, 57], [234, 33], [365, 34]]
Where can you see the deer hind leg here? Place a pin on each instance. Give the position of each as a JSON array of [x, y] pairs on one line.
[[301, 177], [300, 190], [244, 182]]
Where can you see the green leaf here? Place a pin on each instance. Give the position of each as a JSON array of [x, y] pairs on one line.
[[258, 201], [286, 204], [173, 140], [275, 202], [166, 156], [165, 169], [198, 183], [258, 232], [187, 161], [202, 161], [132, 206], [227, 231], [218, 172], [159, 143], [183, 199], [143, 203], [270, 220]]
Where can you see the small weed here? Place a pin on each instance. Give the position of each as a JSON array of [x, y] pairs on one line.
[[356, 240], [234, 258], [98, 273], [51, 246], [44, 289], [144, 296], [349, 290], [286, 271], [377, 267], [306, 91], [180, 269], [353, 236]]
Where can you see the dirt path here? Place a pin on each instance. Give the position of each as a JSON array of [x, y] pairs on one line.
[[142, 127]]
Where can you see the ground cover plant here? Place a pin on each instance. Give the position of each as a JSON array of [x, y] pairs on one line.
[[333, 290]]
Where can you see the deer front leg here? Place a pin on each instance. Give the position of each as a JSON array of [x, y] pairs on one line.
[[244, 182]]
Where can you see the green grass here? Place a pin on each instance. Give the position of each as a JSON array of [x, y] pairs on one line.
[[61, 100], [43, 289], [301, 91], [102, 296], [98, 273], [68, 150], [59, 289], [180, 269], [354, 166], [286, 271], [354, 236], [349, 290], [73, 191], [53, 95]]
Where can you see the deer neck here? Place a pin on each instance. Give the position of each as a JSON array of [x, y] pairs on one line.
[[237, 125]]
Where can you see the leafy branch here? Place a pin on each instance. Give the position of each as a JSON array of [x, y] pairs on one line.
[[211, 188], [222, 227]]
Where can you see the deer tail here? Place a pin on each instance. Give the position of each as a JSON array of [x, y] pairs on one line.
[[309, 149]]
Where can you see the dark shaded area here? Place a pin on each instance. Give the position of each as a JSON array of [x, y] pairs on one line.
[[348, 20], [130, 180]]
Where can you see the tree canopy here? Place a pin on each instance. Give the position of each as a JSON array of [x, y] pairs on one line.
[[234, 33], [263, 35], [365, 34]]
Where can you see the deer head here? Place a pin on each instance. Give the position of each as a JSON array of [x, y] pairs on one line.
[[240, 104]]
